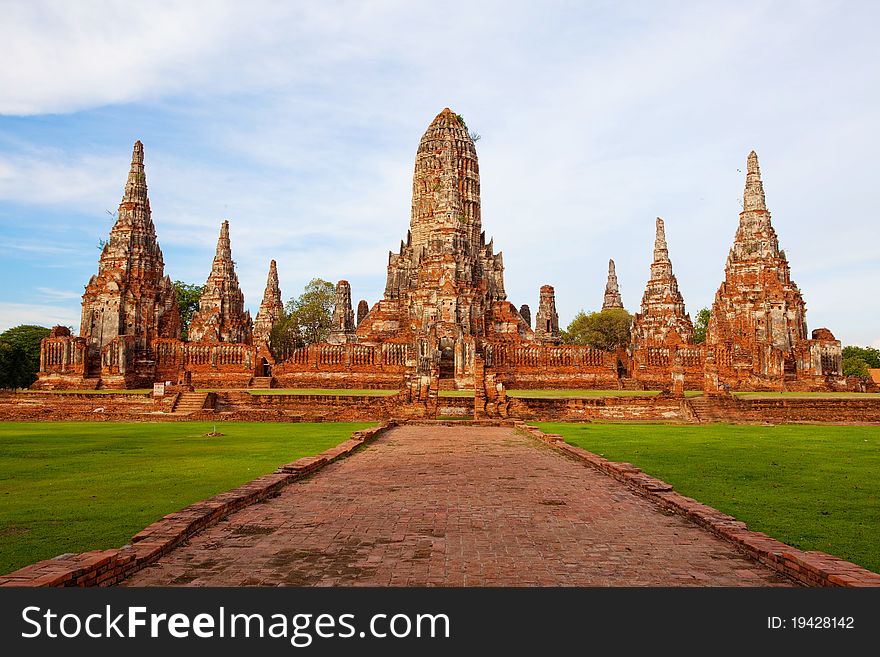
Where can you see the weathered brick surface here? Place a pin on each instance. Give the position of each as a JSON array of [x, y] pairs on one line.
[[242, 406], [271, 308], [758, 326], [456, 505], [222, 316], [808, 568]]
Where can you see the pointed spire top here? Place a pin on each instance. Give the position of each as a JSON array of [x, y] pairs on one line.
[[224, 248], [612, 290], [753, 196], [136, 185], [137, 153], [752, 163], [661, 251]]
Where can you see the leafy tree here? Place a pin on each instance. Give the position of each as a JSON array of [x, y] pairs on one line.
[[701, 325], [188, 297], [20, 355], [310, 315], [284, 338], [853, 366], [606, 329], [857, 360], [869, 355]]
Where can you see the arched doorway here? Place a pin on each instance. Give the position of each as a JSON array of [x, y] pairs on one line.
[[265, 367], [447, 363]]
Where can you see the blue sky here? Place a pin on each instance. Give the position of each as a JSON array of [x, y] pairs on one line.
[[299, 123]]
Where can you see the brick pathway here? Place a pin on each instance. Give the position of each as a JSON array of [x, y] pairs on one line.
[[456, 506]]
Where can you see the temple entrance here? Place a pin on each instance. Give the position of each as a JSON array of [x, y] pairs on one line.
[[265, 367], [93, 362], [447, 363], [790, 369]]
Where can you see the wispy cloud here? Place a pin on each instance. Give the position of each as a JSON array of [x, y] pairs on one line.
[[299, 122], [58, 295], [13, 314]]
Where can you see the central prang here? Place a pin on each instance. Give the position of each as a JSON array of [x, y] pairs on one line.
[[445, 286]]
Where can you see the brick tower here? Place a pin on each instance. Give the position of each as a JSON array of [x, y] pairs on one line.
[[445, 285], [662, 320], [130, 295], [758, 316], [612, 290], [221, 316], [271, 308]]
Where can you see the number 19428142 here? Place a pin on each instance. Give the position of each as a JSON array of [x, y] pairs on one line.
[[811, 623]]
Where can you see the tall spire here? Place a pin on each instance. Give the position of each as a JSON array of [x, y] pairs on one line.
[[753, 196], [662, 320], [131, 295], [343, 326], [136, 185], [612, 291], [271, 309], [547, 320], [221, 316], [661, 251], [758, 305], [755, 236], [224, 247]]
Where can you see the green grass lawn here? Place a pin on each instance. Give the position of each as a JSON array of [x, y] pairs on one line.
[[78, 486], [815, 487]]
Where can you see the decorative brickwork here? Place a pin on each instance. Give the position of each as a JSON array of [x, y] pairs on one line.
[[363, 309], [127, 305], [343, 325], [663, 320], [221, 316], [271, 309], [758, 325], [547, 321], [612, 291], [445, 285], [444, 320]]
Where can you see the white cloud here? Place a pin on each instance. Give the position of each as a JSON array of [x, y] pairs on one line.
[[58, 295], [52, 176], [301, 122]]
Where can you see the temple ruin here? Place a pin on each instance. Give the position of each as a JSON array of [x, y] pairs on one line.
[[444, 320]]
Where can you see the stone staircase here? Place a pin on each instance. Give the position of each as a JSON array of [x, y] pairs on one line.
[[701, 406], [714, 409], [262, 382], [189, 402], [627, 383]]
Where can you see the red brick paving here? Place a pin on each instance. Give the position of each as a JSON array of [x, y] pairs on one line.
[[456, 506]]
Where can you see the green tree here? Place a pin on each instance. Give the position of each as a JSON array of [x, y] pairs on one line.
[[701, 325], [310, 315], [869, 355], [857, 360], [606, 329], [188, 297], [20, 355], [853, 366], [284, 338]]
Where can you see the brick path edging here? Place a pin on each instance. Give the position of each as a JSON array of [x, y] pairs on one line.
[[809, 568], [107, 567]]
